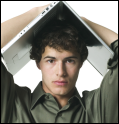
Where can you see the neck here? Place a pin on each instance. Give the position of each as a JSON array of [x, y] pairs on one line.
[[63, 100]]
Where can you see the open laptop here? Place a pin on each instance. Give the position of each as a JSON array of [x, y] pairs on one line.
[[16, 53]]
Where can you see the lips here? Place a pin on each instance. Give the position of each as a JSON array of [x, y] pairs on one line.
[[60, 83]]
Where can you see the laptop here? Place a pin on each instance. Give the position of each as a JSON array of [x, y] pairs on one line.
[[16, 53]]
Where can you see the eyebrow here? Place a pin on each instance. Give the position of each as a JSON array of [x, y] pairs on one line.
[[64, 58]]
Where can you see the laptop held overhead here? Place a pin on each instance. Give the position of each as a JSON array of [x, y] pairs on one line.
[[16, 52]]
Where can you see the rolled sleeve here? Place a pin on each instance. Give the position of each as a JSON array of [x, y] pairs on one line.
[[114, 61]]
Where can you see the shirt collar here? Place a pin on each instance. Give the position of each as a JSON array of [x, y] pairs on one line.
[[39, 92], [76, 94]]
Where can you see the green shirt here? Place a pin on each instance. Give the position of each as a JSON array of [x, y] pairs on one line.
[[19, 105]]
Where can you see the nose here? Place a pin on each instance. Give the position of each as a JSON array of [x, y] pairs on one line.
[[61, 69]]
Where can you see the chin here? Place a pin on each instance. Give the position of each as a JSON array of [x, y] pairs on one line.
[[61, 93]]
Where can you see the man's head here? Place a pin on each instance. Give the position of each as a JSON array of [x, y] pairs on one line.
[[59, 53]]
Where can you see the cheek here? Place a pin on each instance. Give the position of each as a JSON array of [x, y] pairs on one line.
[[47, 70], [73, 71], [73, 75]]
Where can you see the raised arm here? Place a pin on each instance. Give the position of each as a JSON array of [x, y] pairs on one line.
[[8, 87], [103, 101], [107, 35], [11, 27]]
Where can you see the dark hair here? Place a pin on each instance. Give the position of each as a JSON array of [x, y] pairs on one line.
[[58, 35]]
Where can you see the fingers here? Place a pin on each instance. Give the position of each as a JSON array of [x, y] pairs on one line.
[[45, 5]]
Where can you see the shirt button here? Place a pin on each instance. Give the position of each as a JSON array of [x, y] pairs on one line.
[[47, 97], [60, 114]]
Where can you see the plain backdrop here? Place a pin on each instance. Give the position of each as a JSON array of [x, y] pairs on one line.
[[104, 13]]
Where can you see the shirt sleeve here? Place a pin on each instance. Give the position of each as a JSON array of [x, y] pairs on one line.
[[109, 89], [7, 94], [102, 103]]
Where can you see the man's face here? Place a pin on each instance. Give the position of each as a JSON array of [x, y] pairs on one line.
[[53, 69]]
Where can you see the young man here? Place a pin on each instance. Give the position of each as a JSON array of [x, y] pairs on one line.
[[59, 53]]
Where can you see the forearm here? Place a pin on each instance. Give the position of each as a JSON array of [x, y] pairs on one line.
[[10, 28], [105, 34]]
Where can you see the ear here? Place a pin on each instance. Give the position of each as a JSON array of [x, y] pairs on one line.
[[38, 65]]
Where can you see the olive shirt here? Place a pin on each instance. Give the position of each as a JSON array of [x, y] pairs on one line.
[[19, 105]]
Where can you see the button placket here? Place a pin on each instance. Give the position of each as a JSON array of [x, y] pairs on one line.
[[47, 97], [59, 114]]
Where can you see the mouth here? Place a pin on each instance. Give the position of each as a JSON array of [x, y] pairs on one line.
[[60, 83]]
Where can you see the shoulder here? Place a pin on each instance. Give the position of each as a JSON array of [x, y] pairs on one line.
[[89, 96], [23, 95]]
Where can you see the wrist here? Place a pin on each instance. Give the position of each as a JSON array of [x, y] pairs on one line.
[[35, 12], [83, 18]]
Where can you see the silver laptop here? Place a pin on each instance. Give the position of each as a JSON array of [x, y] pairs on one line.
[[16, 53]]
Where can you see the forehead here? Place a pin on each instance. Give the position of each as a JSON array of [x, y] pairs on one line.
[[54, 52]]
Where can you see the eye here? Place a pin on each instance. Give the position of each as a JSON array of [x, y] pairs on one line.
[[70, 61], [50, 61]]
